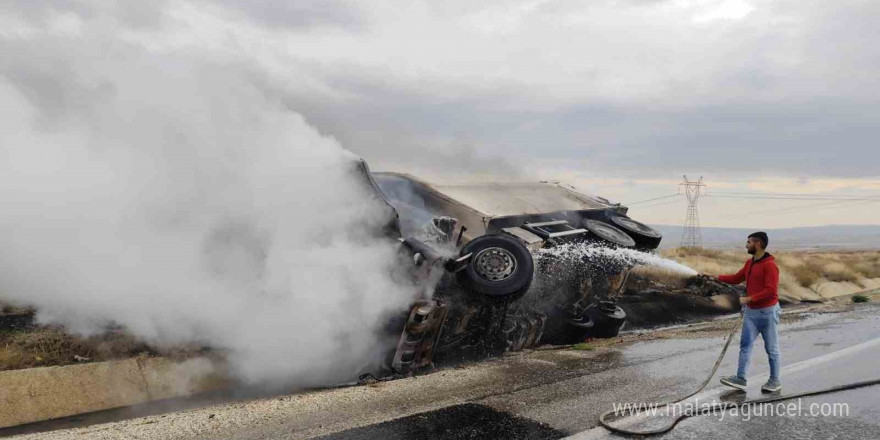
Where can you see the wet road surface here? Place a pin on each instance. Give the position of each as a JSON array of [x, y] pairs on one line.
[[560, 393], [819, 353], [468, 421]]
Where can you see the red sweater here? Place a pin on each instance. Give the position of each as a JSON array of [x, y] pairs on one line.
[[762, 281]]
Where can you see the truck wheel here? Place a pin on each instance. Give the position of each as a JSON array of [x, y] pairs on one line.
[[644, 236], [608, 319], [500, 267], [577, 330], [607, 233], [566, 325]]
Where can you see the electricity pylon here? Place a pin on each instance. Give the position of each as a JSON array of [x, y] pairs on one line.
[[692, 236]]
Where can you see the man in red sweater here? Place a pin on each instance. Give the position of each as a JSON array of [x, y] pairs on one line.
[[761, 311]]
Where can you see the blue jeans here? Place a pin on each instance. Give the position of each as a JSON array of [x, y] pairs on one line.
[[763, 321]]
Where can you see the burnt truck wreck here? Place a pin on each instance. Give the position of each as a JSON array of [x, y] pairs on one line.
[[482, 254]]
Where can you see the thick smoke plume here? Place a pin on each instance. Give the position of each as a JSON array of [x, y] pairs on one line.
[[162, 190]]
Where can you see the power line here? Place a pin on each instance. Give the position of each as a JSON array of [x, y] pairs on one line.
[[692, 234], [668, 202], [813, 194], [651, 200], [793, 198], [812, 206], [766, 196]]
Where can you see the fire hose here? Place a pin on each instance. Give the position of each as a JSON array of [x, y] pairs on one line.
[[726, 405]]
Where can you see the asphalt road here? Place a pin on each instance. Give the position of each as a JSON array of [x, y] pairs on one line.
[[552, 394], [838, 351]]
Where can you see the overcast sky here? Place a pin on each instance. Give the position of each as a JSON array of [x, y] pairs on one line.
[[618, 97]]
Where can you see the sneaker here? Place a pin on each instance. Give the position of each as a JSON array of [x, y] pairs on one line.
[[772, 386], [734, 381]]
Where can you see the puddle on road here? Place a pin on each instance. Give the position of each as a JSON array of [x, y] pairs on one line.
[[468, 421]]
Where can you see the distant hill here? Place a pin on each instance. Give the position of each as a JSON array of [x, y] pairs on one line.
[[813, 237]]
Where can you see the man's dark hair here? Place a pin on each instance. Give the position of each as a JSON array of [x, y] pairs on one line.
[[761, 236]]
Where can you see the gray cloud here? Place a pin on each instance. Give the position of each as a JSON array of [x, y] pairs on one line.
[[820, 136], [398, 129], [792, 93], [427, 87], [300, 14], [136, 14]]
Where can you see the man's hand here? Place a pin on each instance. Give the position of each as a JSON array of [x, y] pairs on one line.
[[745, 300]]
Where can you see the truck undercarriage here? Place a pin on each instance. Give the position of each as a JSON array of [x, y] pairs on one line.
[[492, 272]]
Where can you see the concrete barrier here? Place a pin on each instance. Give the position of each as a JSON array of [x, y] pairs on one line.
[[38, 394], [831, 289]]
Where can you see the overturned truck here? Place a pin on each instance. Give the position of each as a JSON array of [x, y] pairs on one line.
[[490, 281]]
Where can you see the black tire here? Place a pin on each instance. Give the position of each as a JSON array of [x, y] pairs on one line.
[[608, 318], [567, 325], [578, 330], [487, 269], [608, 233], [645, 236]]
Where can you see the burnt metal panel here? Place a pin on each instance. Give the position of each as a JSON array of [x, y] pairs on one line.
[[415, 349]]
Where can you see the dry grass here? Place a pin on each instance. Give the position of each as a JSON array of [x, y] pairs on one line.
[[866, 264], [50, 346], [812, 267], [709, 261], [805, 276], [47, 346], [796, 269], [10, 309], [42, 346], [662, 276]]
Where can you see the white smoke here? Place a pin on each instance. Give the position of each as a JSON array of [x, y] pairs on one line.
[[163, 191]]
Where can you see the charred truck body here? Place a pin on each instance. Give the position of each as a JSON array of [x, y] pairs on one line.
[[473, 247]]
